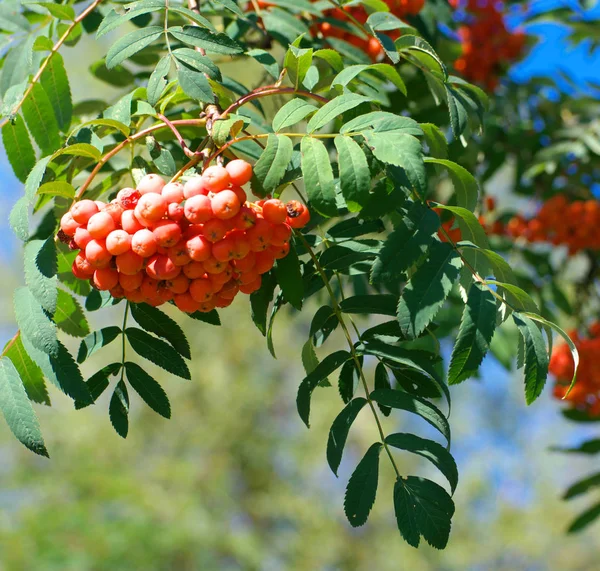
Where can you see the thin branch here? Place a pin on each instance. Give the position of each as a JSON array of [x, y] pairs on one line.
[[188, 152], [54, 49], [338, 312], [129, 140]]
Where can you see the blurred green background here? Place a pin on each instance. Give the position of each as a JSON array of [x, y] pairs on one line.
[[235, 481]]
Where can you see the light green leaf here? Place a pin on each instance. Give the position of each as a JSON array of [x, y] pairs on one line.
[[536, 357], [334, 108], [272, 164], [465, 185], [40, 264], [41, 121], [201, 38], [197, 61], [19, 218], [318, 176], [31, 375], [266, 60], [291, 113], [355, 177], [57, 188], [435, 138], [69, 316], [34, 323], [158, 80], [297, 61], [56, 85]]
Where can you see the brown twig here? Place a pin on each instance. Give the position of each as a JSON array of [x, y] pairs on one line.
[[54, 49], [133, 138], [188, 152]]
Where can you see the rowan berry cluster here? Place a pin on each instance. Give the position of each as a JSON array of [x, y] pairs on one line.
[[197, 244], [574, 224], [585, 395], [399, 8], [487, 45]]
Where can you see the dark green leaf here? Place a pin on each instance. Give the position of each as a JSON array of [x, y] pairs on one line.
[[382, 381], [18, 147], [583, 520], [17, 409], [310, 382], [96, 340], [195, 84], [56, 85], [417, 405], [158, 80], [157, 351], [40, 119], [428, 288], [150, 391], [130, 44], [465, 185], [362, 487], [339, 432], [210, 317], [69, 316], [588, 447], [348, 380], [423, 509], [154, 320], [370, 304], [202, 38], [289, 278], [380, 122], [536, 357], [98, 383], [197, 61], [406, 244], [118, 410], [291, 113], [260, 301], [333, 109], [429, 449], [583, 486]]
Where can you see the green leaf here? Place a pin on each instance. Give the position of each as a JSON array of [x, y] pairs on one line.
[[197, 61], [383, 304], [40, 119], [382, 381], [210, 317], [423, 509], [58, 188], [428, 288], [150, 391], [62, 371], [291, 113], [405, 245], [386, 70], [118, 76], [157, 351], [381, 122], [154, 320], [362, 487], [459, 117], [465, 185], [334, 108], [18, 64], [583, 486], [158, 80], [80, 150], [297, 62], [40, 264], [517, 298], [18, 147], [474, 335], [267, 61], [96, 340], [318, 176], [588, 447], [202, 38], [98, 383], [17, 409], [195, 85], [339, 432], [35, 179], [436, 140], [333, 58], [19, 218], [272, 164], [34, 323], [131, 44], [327, 366], [55, 82], [232, 7], [342, 256], [260, 301], [348, 380], [434, 452], [402, 150], [417, 405], [355, 178], [31, 375], [470, 227], [289, 278], [69, 316], [536, 357], [113, 20], [118, 410], [417, 48], [584, 519], [60, 11]]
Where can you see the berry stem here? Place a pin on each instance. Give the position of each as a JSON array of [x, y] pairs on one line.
[[340, 316], [45, 63]]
